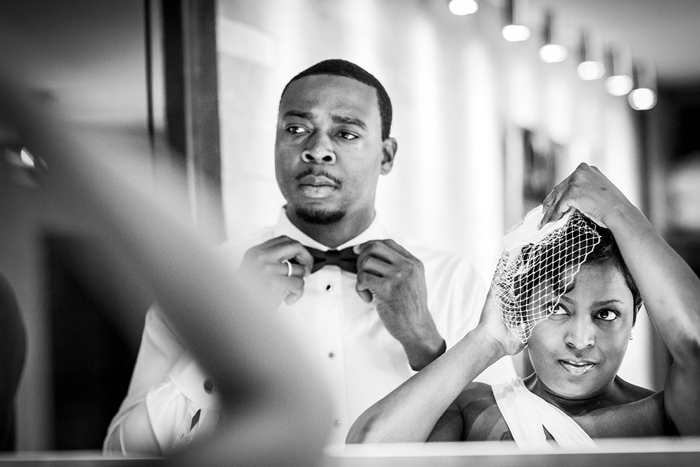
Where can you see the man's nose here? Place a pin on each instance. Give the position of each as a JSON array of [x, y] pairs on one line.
[[318, 150], [580, 334]]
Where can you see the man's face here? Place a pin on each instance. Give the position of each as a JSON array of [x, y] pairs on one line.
[[578, 350], [328, 151]]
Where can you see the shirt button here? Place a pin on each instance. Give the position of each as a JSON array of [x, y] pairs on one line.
[[208, 385], [336, 423], [329, 288], [331, 355]]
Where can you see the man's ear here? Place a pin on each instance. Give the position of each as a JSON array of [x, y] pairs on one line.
[[389, 148]]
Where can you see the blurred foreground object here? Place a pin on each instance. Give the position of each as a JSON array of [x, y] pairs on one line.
[[272, 402], [13, 345]]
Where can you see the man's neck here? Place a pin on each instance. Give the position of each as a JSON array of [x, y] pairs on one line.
[[335, 234]]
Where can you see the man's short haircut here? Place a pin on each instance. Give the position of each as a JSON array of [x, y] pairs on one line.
[[338, 67]]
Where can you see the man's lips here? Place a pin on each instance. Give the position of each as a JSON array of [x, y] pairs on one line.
[[317, 181], [317, 186], [577, 367]]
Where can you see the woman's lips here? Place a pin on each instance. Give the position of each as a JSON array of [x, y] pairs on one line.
[[576, 368]]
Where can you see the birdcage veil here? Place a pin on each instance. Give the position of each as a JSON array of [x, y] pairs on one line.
[[537, 266]]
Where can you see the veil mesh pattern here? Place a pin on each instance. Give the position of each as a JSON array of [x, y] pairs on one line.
[[529, 281]]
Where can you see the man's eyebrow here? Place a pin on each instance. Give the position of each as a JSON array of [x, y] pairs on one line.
[[299, 113], [349, 121]]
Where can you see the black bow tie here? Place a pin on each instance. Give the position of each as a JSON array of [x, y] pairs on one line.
[[345, 259]]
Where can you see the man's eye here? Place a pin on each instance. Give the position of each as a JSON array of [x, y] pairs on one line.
[[607, 315], [296, 130], [346, 135]]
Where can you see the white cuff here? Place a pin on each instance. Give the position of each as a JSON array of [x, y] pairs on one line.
[[189, 378], [181, 407]]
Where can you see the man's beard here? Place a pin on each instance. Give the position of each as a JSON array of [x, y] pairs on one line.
[[319, 216]]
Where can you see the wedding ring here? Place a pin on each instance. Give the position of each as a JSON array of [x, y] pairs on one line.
[[289, 267]]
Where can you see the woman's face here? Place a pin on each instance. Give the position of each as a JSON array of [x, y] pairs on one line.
[[578, 350]]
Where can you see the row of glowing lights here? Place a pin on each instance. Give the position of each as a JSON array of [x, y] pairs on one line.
[[617, 85]]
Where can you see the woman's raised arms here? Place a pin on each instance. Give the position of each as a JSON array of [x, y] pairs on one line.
[[669, 288]]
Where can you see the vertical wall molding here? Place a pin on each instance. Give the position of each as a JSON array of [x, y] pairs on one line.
[[186, 32]]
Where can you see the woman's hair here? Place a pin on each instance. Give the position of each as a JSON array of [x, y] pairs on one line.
[[530, 278], [607, 250], [553, 263]]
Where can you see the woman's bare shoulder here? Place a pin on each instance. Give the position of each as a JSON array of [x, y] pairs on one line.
[[483, 420], [476, 393], [633, 392], [473, 416]]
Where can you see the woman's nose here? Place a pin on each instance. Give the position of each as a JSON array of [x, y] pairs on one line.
[[580, 334]]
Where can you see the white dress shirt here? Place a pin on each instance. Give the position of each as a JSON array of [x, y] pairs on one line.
[[343, 335]]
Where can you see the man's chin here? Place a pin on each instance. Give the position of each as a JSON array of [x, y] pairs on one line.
[[319, 216]]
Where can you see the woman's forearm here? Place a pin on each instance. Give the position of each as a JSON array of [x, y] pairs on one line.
[[409, 413]]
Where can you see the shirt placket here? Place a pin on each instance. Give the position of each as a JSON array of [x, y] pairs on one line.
[[329, 319]]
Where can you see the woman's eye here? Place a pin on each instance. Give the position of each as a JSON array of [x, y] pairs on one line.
[[558, 309], [607, 315]]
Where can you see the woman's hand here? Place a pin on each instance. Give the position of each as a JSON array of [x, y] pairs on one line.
[[491, 324], [587, 190]]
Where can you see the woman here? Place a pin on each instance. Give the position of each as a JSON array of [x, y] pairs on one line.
[[576, 352]]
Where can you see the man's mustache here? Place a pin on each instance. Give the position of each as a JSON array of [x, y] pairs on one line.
[[311, 171]]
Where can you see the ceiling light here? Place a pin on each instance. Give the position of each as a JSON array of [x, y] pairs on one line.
[[618, 85], [643, 96], [551, 52], [618, 64], [463, 7], [589, 68], [514, 30]]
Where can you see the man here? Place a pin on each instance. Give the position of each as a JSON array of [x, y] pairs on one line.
[[370, 311]]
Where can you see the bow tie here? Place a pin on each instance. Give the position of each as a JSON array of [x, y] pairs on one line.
[[345, 259]]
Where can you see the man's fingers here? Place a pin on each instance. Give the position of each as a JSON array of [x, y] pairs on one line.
[[295, 289], [290, 269], [291, 299], [375, 266], [304, 259], [387, 250], [368, 281], [284, 249], [281, 264], [383, 257], [363, 292], [274, 253]]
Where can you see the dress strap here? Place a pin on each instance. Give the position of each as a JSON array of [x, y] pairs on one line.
[[527, 415]]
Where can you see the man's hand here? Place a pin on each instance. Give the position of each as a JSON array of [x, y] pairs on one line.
[[394, 280], [277, 269]]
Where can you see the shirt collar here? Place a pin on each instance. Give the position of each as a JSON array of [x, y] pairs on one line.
[[375, 231]]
